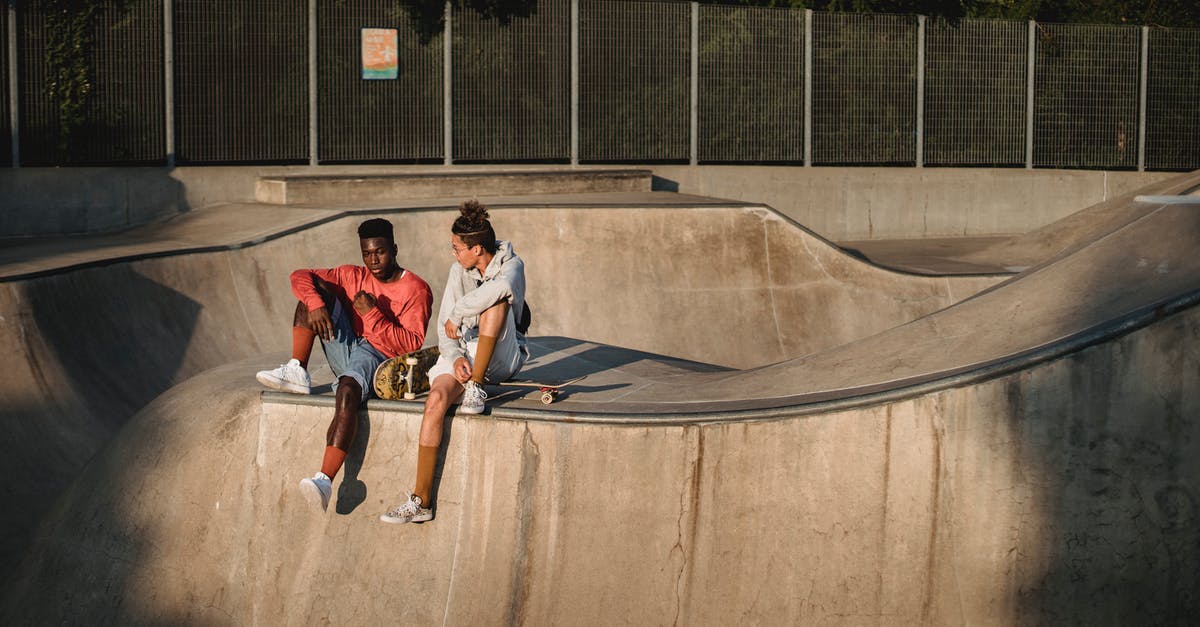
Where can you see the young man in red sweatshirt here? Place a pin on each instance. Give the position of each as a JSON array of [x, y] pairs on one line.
[[363, 315]]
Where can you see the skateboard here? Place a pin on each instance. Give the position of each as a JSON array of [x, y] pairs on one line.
[[405, 376], [549, 390]]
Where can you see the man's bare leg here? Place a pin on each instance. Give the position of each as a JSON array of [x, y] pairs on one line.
[[343, 427], [443, 391]]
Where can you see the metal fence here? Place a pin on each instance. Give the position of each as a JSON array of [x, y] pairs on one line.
[[373, 121], [588, 81], [975, 93]]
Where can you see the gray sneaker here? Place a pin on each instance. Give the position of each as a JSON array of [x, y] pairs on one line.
[[317, 490], [408, 511], [290, 377], [473, 399]]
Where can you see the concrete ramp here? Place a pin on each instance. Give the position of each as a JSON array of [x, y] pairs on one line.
[[1028, 455]]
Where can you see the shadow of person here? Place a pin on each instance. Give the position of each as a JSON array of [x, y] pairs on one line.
[[352, 492]]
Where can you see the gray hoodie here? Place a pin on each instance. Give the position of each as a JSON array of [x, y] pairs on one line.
[[468, 295]]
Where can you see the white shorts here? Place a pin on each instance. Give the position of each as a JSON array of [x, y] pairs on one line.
[[507, 358]]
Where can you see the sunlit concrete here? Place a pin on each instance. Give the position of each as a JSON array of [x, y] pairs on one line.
[[846, 445]]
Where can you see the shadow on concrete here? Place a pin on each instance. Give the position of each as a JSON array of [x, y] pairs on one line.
[[352, 491], [42, 202], [596, 359], [1106, 440], [144, 328], [660, 184]]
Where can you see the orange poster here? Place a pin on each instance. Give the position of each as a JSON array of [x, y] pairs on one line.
[[379, 56]]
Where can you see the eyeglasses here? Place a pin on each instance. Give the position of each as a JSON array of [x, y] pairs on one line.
[[456, 251]]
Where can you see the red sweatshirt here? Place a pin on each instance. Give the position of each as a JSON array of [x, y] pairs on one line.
[[395, 326]]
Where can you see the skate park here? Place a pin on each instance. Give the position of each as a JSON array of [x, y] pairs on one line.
[[881, 319], [784, 431]]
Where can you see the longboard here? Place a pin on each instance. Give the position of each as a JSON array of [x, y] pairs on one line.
[[405, 376], [549, 389]]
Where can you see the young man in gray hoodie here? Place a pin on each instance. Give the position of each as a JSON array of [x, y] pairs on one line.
[[479, 337]]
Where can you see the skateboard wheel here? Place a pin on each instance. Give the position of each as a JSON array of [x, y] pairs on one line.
[[408, 396], [412, 361], [547, 398]]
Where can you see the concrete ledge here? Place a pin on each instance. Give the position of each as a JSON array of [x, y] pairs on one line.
[[353, 188]]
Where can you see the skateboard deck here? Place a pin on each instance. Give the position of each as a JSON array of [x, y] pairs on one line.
[[549, 389], [405, 376]]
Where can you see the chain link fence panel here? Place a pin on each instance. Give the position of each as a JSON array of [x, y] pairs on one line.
[[512, 85], [976, 77], [241, 81], [105, 107], [634, 81], [1173, 94], [376, 120], [864, 89], [751, 85], [1086, 96]]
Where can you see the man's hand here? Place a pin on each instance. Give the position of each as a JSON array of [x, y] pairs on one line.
[[451, 330], [320, 323], [363, 302], [462, 369]]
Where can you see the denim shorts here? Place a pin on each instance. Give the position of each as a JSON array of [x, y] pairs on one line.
[[349, 355]]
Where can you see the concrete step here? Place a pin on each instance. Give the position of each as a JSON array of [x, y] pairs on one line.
[[302, 189]]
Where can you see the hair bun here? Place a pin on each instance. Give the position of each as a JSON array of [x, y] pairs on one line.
[[474, 214]]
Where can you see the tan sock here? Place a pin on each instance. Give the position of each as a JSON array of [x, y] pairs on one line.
[[483, 357], [332, 463], [302, 344], [426, 461]]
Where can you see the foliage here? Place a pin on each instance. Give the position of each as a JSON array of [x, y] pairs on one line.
[[428, 15], [69, 39], [1172, 13]]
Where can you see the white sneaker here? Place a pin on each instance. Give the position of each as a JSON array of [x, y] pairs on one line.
[[472, 399], [290, 377], [317, 490], [408, 511]]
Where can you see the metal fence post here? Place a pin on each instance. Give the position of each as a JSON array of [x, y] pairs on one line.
[[447, 94], [312, 82], [921, 91], [808, 72], [1029, 95], [1142, 100], [169, 81], [14, 100], [694, 150], [574, 82]]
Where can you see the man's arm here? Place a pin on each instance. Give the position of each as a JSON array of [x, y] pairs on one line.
[[510, 278], [402, 333], [304, 287], [449, 346]]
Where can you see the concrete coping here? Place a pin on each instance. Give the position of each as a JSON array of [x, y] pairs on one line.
[[803, 403], [576, 172], [1168, 200]]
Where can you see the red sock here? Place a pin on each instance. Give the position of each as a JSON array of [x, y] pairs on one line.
[[302, 344], [332, 463]]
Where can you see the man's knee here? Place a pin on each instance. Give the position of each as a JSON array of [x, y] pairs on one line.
[[442, 390], [492, 318], [499, 309]]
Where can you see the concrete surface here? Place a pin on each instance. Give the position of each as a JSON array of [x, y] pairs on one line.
[[1025, 454], [466, 183], [967, 255], [100, 326], [838, 203], [909, 203]]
